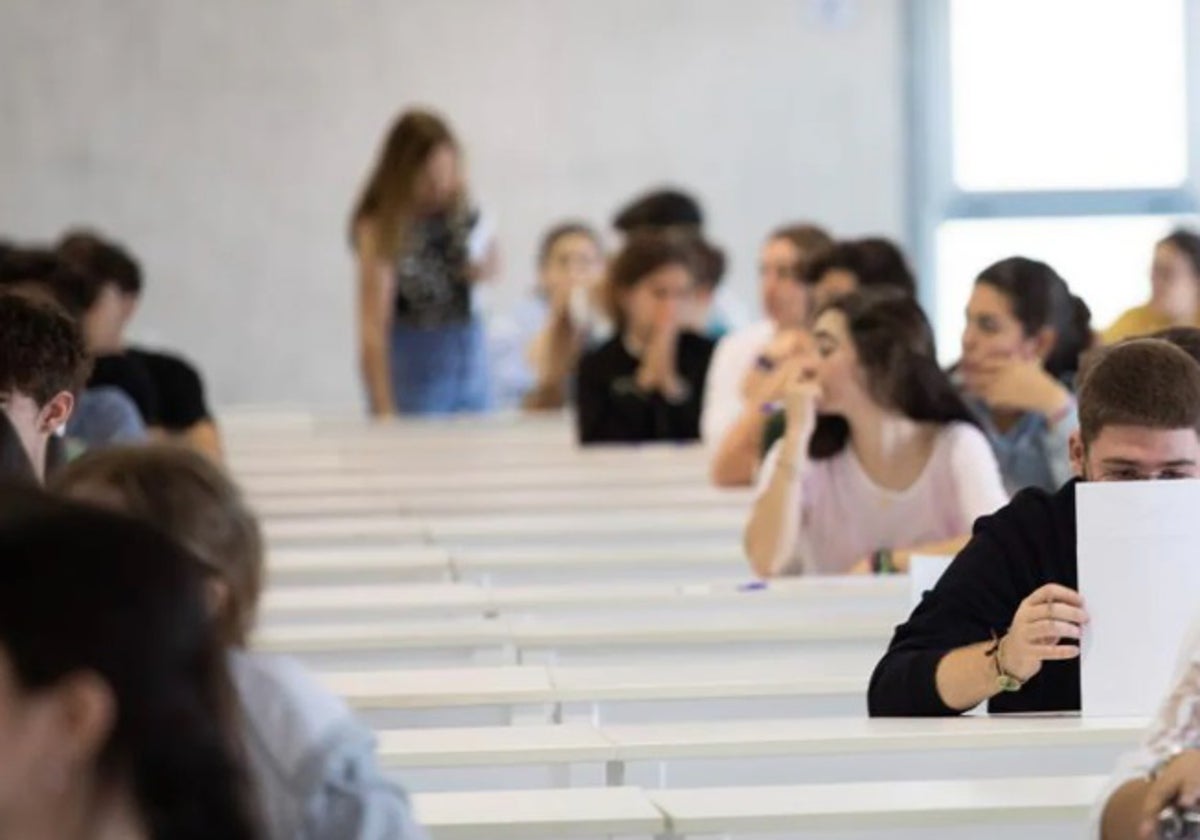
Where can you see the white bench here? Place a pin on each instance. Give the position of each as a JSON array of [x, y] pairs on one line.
[[487, 696], [760, 752], [812, 643], [801, 596], [1033, 808]]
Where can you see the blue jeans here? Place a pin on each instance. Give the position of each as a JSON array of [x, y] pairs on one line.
[[440, 370]]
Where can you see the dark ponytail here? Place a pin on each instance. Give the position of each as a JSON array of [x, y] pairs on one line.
[[87, 590], [1040, 299]]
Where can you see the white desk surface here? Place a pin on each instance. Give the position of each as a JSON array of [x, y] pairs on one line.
[[531, 684], [580, 743], [442, 687], [365, 558], [538, 815], [447, 598], [553, 633], [876, 804], [704, 553], [349, 528], [494, 745]]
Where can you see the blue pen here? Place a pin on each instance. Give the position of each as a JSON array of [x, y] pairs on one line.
[[753, 586]]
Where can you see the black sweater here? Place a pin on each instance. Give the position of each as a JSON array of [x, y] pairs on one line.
[[611, 408], [1023, 546]]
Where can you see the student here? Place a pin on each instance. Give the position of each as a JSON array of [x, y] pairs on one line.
[[15, 466], [1174, 290], [1001, 624], [1020, 352], [313, 764], [114, 707], [421, 247], [751, 367], [646, 383], [880, 458], [177, 406], [103, 415], [856, 264], [42, 365], [547, 333], [672, 211]]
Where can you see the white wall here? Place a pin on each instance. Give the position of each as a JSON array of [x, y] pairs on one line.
[[225, 139]]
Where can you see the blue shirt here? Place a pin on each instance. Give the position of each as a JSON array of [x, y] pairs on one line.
[[1032, 453]]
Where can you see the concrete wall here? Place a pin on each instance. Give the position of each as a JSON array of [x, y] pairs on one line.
[[225, 139]]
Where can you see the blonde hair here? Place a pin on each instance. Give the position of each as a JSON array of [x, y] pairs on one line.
[[388, 198]]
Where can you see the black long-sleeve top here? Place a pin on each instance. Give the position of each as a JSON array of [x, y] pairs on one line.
[[612, 409], [1023, 546]]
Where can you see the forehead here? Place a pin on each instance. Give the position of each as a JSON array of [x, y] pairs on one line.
[[573, 243], [1141, 445], [986, 298], [831, 322]]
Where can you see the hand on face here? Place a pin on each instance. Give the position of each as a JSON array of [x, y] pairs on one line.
[[1013, 384]]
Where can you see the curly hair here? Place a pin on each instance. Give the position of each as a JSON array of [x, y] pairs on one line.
[[41, 349]]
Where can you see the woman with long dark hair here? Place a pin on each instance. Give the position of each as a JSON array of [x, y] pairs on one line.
[[1024, 335], [421, 247], [880, 456], [115, 704]]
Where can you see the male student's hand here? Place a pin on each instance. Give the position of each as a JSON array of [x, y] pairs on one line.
[[1178, 783], [1015, 385], [1044, 619]]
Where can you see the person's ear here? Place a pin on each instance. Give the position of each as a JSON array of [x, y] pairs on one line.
[[1044, 342], [54, 414], [216, 596], [1078, 454], [84, 714]]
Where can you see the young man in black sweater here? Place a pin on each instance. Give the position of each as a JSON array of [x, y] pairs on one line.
[[1003, 623]]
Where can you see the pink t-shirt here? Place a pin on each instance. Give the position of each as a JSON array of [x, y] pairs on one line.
[[847, 516]]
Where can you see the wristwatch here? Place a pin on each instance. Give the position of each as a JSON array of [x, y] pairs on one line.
[[1006, 683]]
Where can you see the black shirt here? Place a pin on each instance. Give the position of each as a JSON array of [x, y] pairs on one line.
[[167, 390], [1022, 547], [179, 389], [433, 275], [130, 374], [611, 408]]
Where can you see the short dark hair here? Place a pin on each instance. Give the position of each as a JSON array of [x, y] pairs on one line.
[[1144, 382], [874, 261], [660, 210], [895, 347], [812, 241], [194, 502], [43, 271], [41, 349], [102, 258], [644, 254], [709, 259], [564, 229], [1040, 298]]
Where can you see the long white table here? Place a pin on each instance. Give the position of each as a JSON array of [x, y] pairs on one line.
[[503, 695], [1033, 808], [758, 752], [719, 637]]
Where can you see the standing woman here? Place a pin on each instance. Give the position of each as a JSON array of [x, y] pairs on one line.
[[421, 247]]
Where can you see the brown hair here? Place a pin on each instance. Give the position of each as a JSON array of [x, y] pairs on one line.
[[561, 231], [895, 348], [1144, 382], [1186, 339], [644, 254], [387, 198], [873, 261], [188, 496], [41, 348], [811, 241]]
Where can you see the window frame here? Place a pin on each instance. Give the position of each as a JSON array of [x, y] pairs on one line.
[[934, 198]]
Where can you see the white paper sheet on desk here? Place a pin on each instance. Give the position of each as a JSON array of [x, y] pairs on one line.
[[924, 571], [1139, 571]]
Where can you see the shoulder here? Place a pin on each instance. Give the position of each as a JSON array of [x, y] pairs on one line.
[[694, 344], [1135, 321], [285, 707], [964, 440], [166, 364], [1034, 512], [602, 356], [742, 345]]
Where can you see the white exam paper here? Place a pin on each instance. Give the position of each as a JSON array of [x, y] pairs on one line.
[[1139, 572]]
